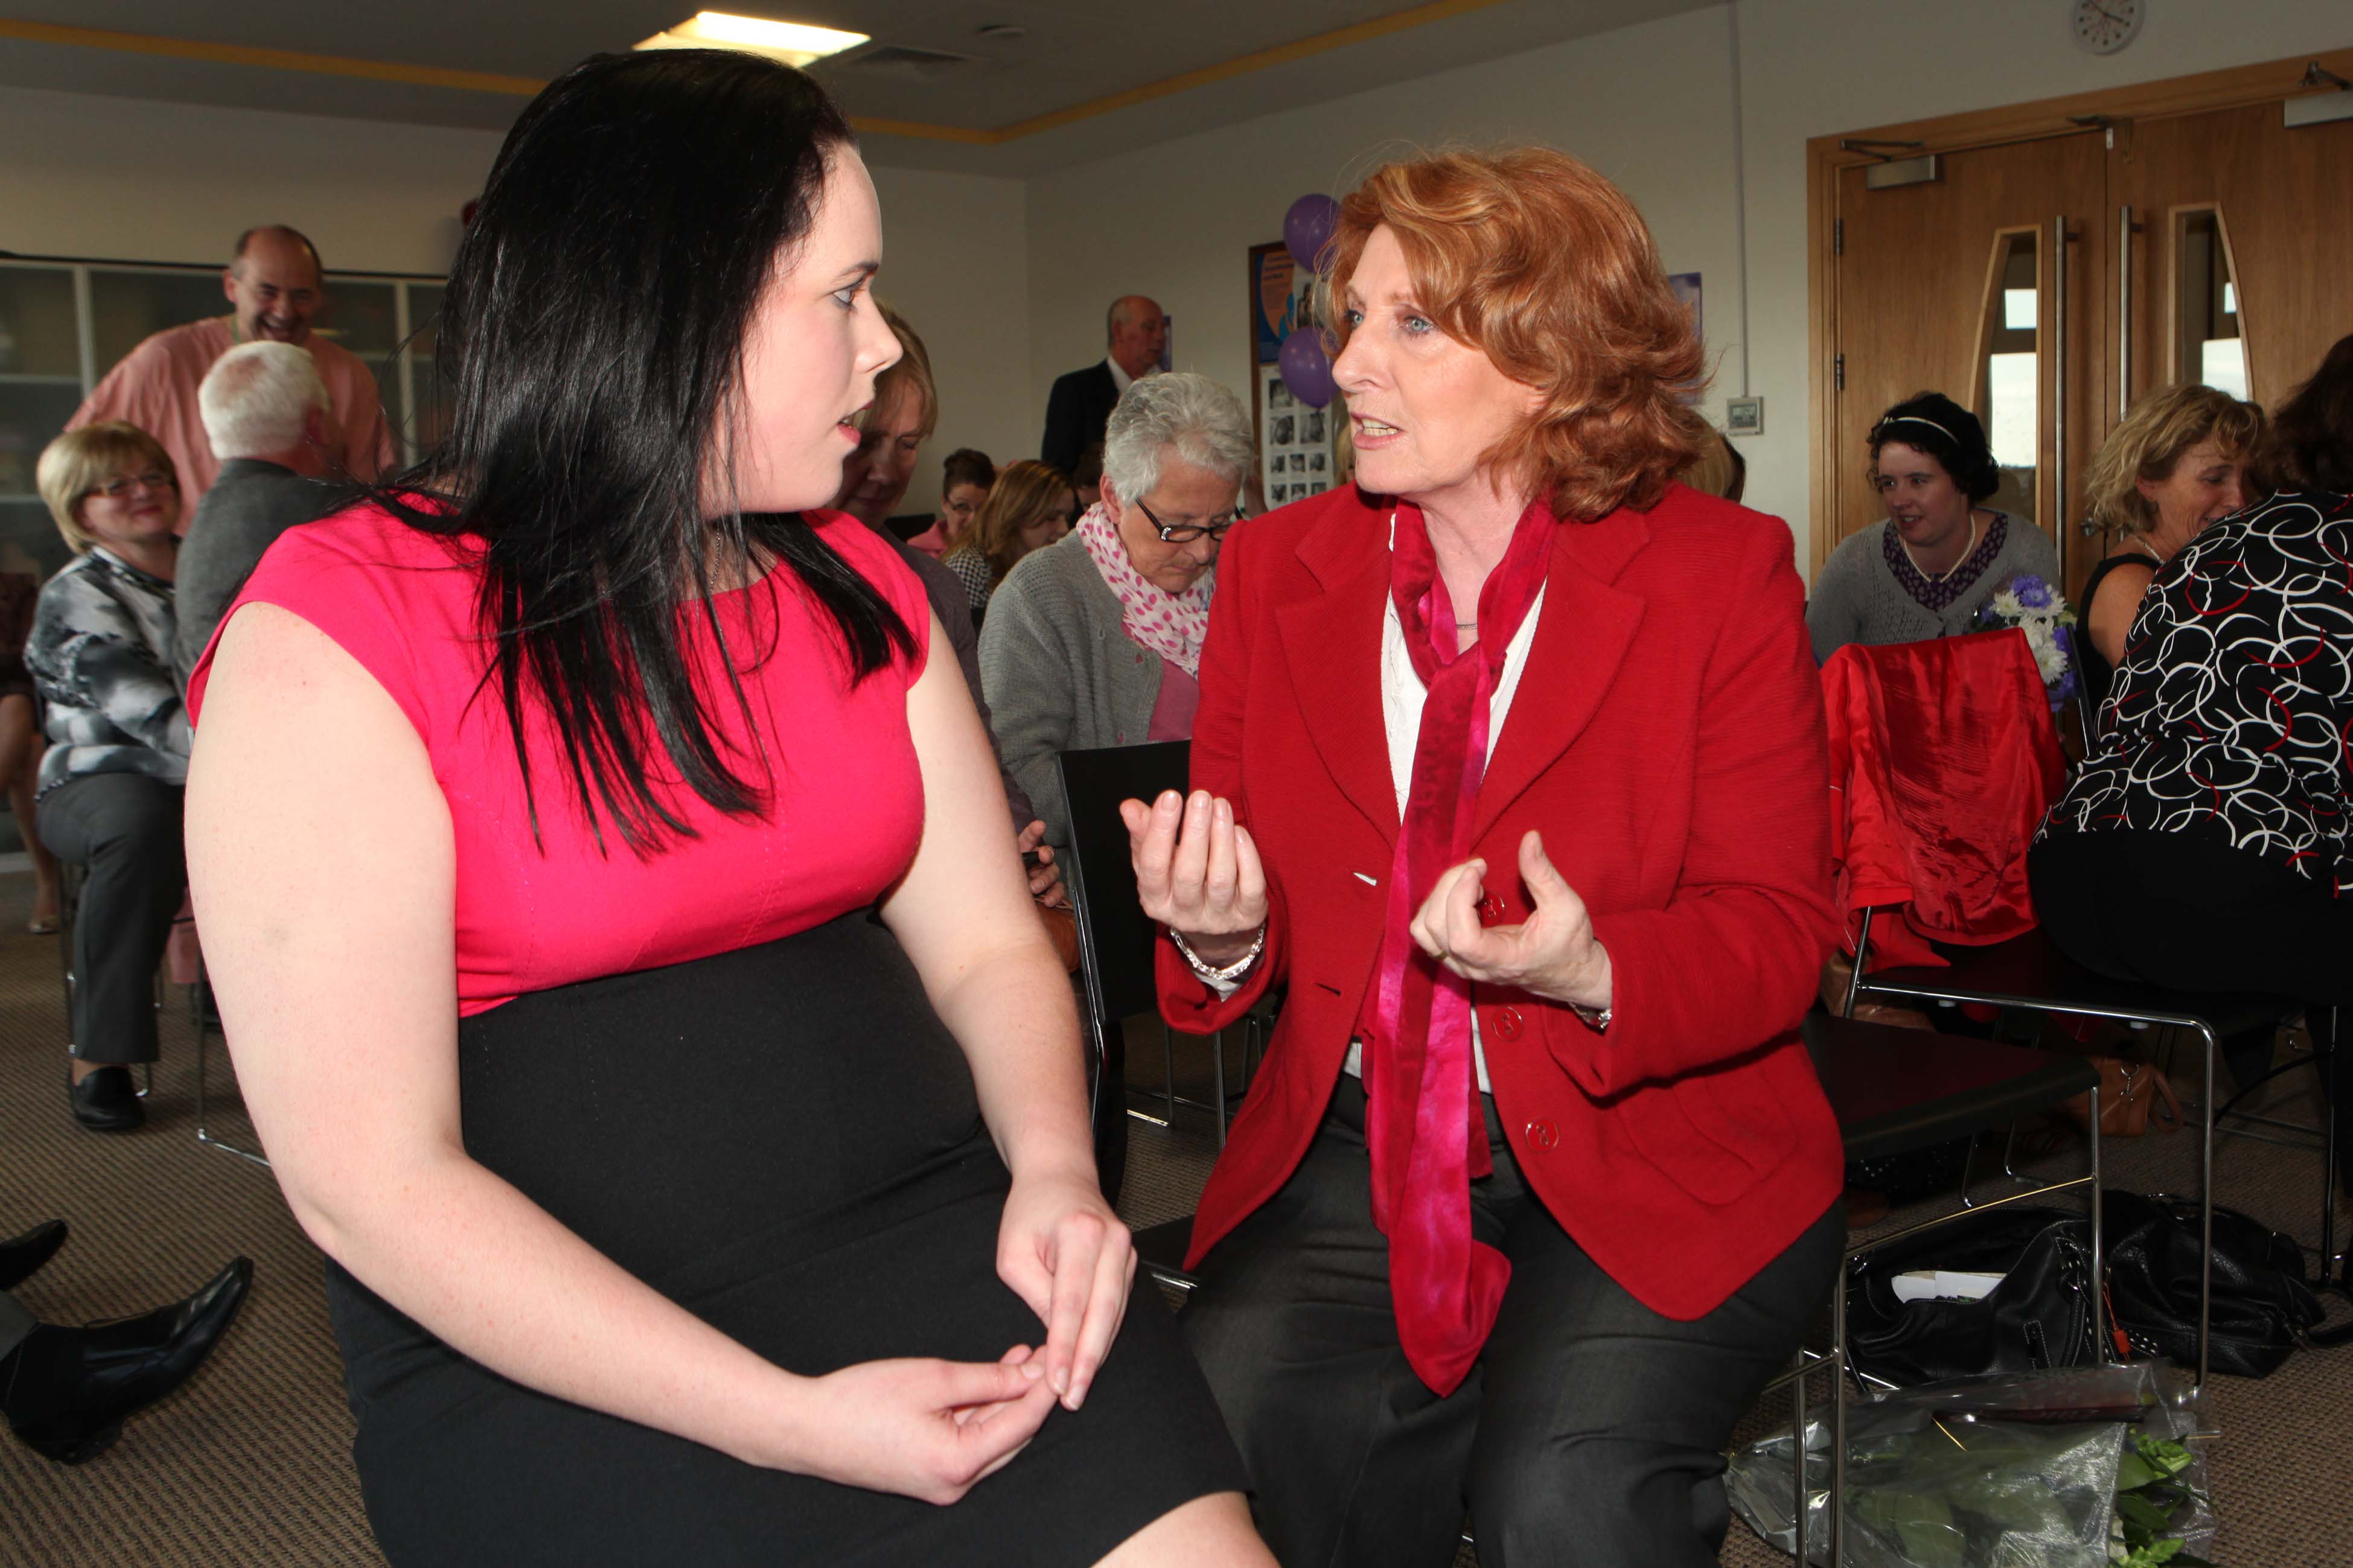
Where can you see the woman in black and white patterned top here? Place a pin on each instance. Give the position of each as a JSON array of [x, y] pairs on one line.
[[2207, 845], [101, 651]]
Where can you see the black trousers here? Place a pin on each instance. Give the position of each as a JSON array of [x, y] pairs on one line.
[[1592, 1431], [125, 830], [2195, 914]]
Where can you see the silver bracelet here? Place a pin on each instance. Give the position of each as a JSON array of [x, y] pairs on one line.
[[1231, 972]]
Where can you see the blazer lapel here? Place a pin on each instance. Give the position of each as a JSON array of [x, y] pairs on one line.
[[1333, 646], [1582, 636]]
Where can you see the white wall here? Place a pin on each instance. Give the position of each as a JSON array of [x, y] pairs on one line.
[[168, 182], [955, 263], [1651, 107]]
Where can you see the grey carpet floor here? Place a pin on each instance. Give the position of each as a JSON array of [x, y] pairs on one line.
[[249, 1463]]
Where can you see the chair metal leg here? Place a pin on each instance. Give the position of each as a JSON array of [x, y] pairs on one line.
[[203, 1130], [1798, 1440], [1862, 956], [1168, 1071], [2206, 1204], [1838, 1423], [2101, 1348], [2324, 1060]]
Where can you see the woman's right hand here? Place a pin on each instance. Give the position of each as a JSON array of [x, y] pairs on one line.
[[921, 1429], [1198, 872]]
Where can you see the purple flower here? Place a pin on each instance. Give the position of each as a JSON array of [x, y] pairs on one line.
[[2032, 592]]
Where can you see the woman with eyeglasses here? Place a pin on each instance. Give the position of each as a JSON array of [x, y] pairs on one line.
[[101, 653], [1030, 506], [1097, 640]]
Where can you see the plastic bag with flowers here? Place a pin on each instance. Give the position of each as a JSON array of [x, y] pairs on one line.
[[2036, 608]]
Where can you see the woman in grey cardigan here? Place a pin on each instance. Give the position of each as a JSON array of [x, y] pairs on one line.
[[1940, 555], [1097, 640]]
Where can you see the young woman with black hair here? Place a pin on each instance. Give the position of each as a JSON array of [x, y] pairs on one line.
[[1923, 573], [611, 906]]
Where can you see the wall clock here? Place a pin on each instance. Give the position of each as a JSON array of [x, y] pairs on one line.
[[2104, 27]]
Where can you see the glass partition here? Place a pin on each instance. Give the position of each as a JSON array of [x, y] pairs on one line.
[[2010, 370], [2207, 344]]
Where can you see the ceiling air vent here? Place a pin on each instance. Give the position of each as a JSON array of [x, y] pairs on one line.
[[902, 61]]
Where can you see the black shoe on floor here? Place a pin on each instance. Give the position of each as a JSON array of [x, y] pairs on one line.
[[107, 1101], [66, 1392], [22, 1254]]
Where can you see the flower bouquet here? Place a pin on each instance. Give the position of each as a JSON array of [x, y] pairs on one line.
[[2034, 607]]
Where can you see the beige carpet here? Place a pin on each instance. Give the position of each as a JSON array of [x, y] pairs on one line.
[[250, 1464]]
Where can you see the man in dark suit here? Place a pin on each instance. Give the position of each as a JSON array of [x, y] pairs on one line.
[[1081, 401]]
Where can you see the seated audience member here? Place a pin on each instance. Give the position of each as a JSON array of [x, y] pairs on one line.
[[1135, 333], [1553, 1300], [1925, 572], [1096, 641], [118, 757], [1087, 477], [20, 740], [66, 1391], [265, 410], [2178, 462], [1719, 469], [1029, 508], [702, 1150], [275, 287], [890, 435], [965, 480], [2205, 845]]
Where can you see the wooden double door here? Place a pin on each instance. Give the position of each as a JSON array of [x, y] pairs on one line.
[[2047, 283]]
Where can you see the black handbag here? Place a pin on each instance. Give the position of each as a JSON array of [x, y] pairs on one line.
[[2262, 1304], [2039, 1316]]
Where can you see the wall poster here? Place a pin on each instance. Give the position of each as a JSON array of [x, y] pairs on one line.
[[1296, 457]]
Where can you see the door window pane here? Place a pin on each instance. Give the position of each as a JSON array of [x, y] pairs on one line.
[[2207, 344], [2010, 370]]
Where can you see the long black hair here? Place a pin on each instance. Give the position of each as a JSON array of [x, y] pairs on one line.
[[593, 335]]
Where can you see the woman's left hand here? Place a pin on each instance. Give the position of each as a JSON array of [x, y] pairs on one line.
[[1045, 877], [1553, 953], [1061, 1249]]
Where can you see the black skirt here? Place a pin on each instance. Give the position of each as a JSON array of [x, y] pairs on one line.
[[783, 1140]]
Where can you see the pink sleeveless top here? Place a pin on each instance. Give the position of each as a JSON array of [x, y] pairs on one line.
[[845, 797]]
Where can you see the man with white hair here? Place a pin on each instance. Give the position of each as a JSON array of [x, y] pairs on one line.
[[275, 286], [1135, 334], [266, 412]]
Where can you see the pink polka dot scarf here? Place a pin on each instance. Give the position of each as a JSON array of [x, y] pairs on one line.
[[1170, 625]]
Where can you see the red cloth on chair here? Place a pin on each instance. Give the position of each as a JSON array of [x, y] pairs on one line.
[[1942, 760]]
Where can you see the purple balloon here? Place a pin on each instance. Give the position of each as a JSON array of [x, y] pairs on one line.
[[1307, 369], [1307, 226]]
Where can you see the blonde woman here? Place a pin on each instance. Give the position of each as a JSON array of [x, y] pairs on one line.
[[1029, 506], [2177, 463], [111, 781]]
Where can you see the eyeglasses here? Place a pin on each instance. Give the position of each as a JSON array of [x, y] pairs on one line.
[[1214, 530], [116, 489]]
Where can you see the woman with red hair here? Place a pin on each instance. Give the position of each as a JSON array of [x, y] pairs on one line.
[[1510, 766]]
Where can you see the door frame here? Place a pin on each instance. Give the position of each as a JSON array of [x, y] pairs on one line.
[[2236, 87]]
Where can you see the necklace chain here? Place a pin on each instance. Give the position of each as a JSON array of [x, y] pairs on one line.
[[1966, 551]]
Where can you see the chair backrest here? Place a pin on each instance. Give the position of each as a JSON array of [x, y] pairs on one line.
[[1944, 759], [1114, 938]]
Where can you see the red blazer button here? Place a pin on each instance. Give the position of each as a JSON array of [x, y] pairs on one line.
[[1543, 1135], [1507, 1023], [1491, 910]]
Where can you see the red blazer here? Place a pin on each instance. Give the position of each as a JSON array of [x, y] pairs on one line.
[[1667, 738]]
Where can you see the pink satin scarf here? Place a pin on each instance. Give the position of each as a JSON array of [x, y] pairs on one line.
[[1424, 1129]]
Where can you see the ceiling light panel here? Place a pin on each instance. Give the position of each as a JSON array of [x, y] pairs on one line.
[[794, 42]]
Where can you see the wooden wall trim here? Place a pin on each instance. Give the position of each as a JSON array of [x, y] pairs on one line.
[[2235, 88]]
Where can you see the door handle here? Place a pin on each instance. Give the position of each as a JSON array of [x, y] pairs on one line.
[[2059, 394]]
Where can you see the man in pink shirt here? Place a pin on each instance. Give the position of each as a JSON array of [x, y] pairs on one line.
[[275, 284]]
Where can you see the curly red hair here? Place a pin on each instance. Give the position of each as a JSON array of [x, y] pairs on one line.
[[1533, 258]]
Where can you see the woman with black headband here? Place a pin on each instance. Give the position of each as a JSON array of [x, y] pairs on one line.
[[1925, 572]]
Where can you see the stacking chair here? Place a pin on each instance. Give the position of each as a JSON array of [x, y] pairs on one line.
[[1897, 1090], [1115, 940], [1912, 793]]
